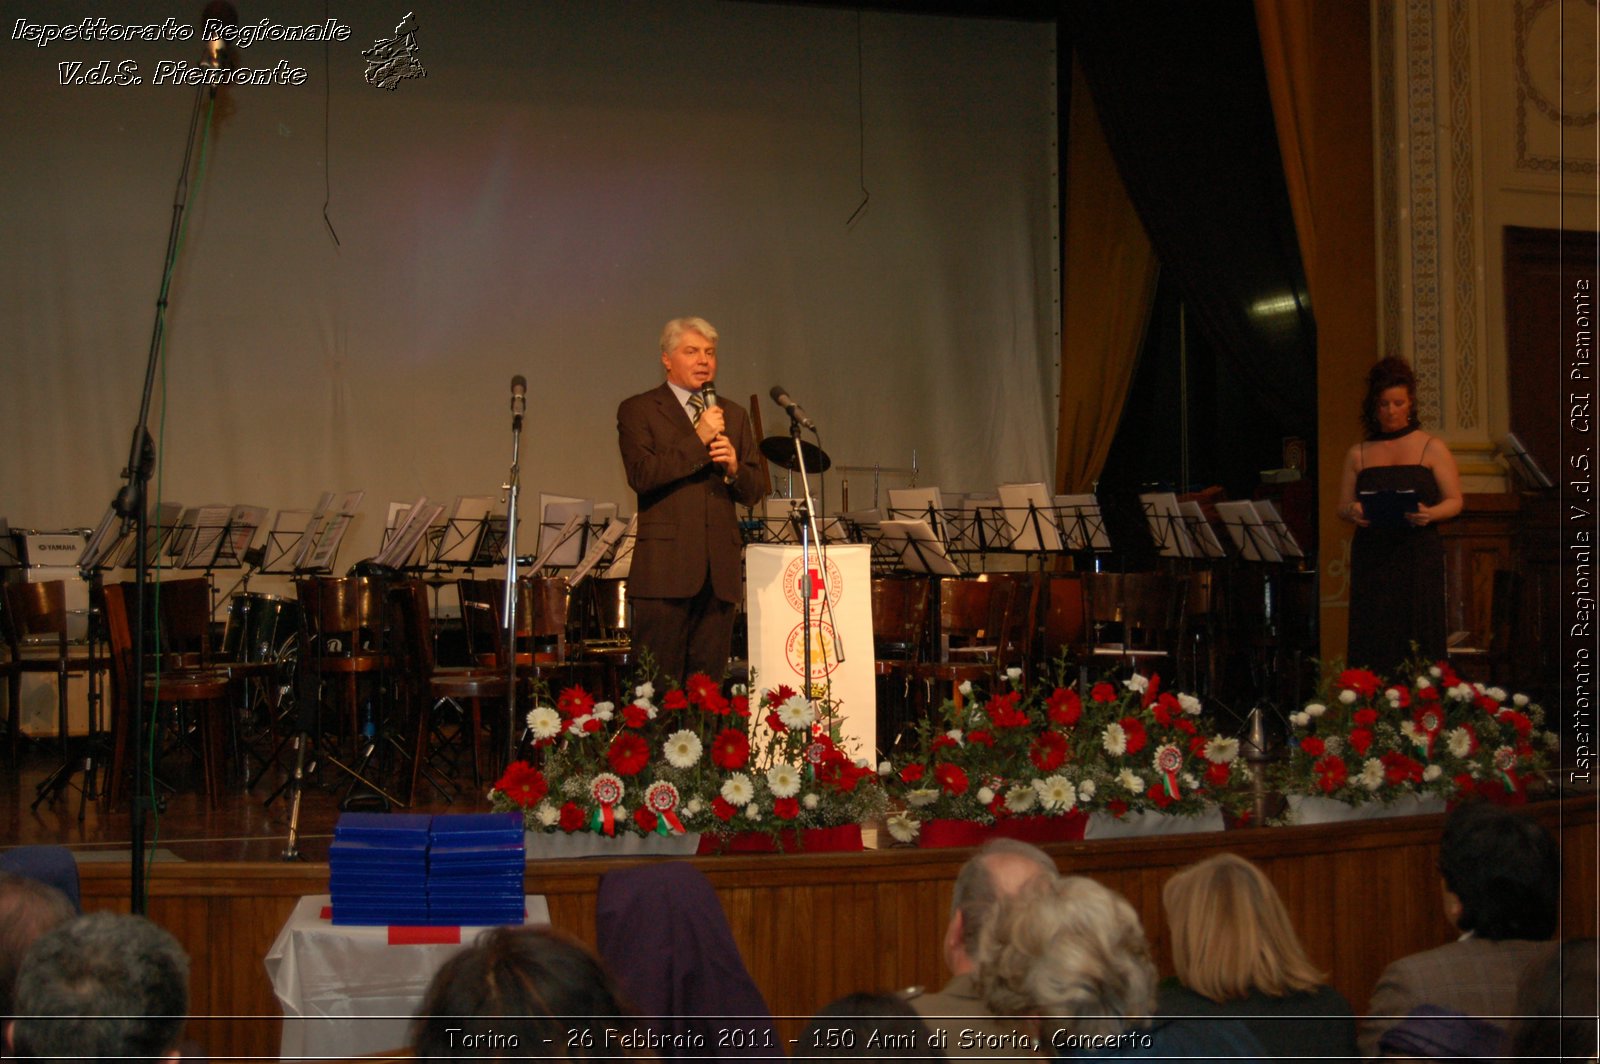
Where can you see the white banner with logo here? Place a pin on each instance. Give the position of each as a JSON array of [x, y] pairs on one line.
[[776, 590]]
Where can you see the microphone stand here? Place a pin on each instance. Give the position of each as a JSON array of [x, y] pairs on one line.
[[130, 503], [509, 611], [808, 535]]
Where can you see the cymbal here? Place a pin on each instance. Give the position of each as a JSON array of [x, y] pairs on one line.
[[780, 451]]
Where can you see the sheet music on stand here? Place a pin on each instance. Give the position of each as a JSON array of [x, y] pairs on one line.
[[161, 528], [774, 521], [622, 560], [99, 550], [1081, 522], [556, 514], [599, 544], [924, 503], [1251, 538], [243, 523], [919, 549], [492, 547], [1200, 530], [1284, 539], [317, 544], [207, 543], [1166, 524], [462, 532], [1026, 509], [405, 545]]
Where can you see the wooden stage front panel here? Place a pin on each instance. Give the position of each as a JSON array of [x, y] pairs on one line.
[[814, 927]]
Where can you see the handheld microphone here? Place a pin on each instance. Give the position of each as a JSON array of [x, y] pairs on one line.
[[519, 397], [791, 407], [709, 391]]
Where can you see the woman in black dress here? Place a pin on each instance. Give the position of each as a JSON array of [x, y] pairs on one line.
[[1397, 568]]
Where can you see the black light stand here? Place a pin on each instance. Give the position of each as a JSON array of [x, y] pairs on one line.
[[131, 501]]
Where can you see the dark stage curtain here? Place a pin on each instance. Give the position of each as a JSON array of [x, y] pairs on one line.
[[1183, 99]]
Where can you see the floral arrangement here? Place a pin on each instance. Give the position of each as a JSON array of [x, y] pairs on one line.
[[698, 761], [1367, 739], [1127, 746]]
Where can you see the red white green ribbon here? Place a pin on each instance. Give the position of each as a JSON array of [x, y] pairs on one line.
[[607, 790], [1168, 760], [1505, 759], [662, 799]]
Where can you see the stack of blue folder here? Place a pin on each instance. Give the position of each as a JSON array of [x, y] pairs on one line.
[[378, 868], [420, 870], [475, 866]]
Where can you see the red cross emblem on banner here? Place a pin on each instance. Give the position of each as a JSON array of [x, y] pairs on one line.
[[815, 578]]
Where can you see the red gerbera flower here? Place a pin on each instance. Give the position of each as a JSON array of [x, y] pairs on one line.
[[1360, 740], [700, 686], [911, 773], [741, 705], [730, 749], [1331, 773], [1166, 710], [786, 808], [1103, 692], [1217, 775], [779, 695], [1003, 710], [523, 784], [572, 818], [776, 723], [723, 810], [1064, 706], [675, 699], [980, 738], [1117, 807], [1365, 718], [628, 754], [1313, 746], [715, 704], [951, 778], [1360, 681], [1049, 751], [645, 819], [1151, 690], [575, 702]]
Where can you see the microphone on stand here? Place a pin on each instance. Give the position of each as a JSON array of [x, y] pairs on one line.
[[519, 399], [791, 407]]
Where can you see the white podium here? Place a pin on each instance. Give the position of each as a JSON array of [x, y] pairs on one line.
[[776, 607]]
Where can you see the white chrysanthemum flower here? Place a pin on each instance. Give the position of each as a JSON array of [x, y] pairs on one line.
[[1136, 682], [549, 816], [1412, 733], [1114, 740], [693, 807], [1333, 744], [1423, 683], [645, 691], [620, 812], [1013, 673], [783, 780], [1300, 720], [1552, 741], [575, 726], [1221, 750], [1020, 799], [1372, 774], [1519, 700], [1057, 794], [796, 712], [740, 689], [1189, 704], [1435, 671], [683, 749], [811, 801], [954, 734], [1130, 781], [1462, 692], [1496, 693], [1393, 695], [544, 722], [1086, 790], [902, 828], [1348, 697], [1243, 772], [862, 762], [1189, 782], [737, 789], [1459, 742], [884, 768], [985, 795], [1315, 709], [922, 796], [1431, 773], [602, 711], [965, 688], [752, 812]]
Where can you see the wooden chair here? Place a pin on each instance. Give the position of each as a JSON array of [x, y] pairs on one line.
[[974, 615], [196, 696], [1064, 628], [542, 612], [34, 624], [429, 689], [345, 631], [1133, 618], [899, 629]]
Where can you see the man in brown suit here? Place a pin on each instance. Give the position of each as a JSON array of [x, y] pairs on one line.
[[690, 459], [1502, 887]]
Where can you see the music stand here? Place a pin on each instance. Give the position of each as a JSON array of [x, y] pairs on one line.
[[919, 549], [1250, 536], [1200, 531], [1081, 523], [1024, 507], [1166, 525]]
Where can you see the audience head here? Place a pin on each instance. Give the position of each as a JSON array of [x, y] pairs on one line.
[[1388, 373], [1555, 1004], [881, 1026], [1231, 934], [501, 997], [997, 871], [28, 908], [102, 985], [1502, 873], [1071, 950]]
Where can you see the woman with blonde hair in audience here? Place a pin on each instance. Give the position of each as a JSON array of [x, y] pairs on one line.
[[1073, 955], [1237, 955]]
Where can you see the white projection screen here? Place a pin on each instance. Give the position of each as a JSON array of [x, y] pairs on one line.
[[565, 178]]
